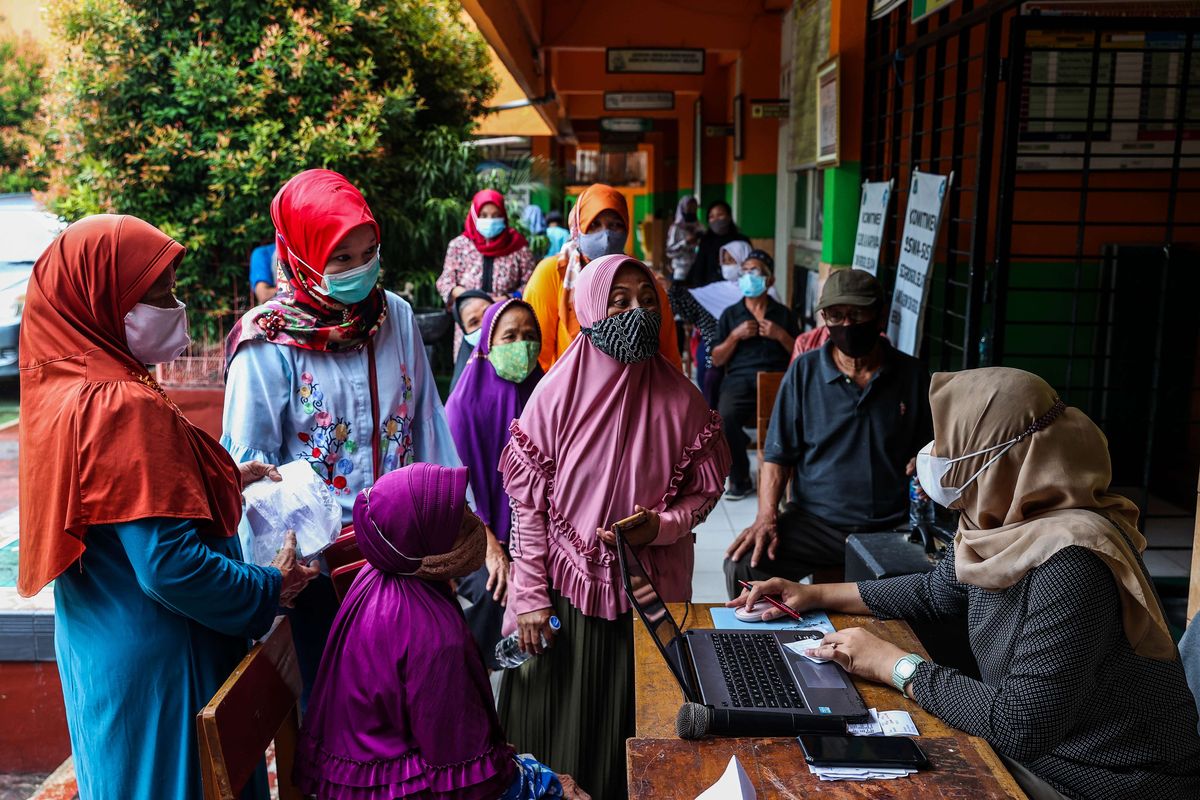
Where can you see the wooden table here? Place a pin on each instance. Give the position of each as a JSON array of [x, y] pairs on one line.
[[663, 767]]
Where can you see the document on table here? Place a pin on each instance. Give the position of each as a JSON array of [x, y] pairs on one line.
[[734, 784], [859, 773], [884, 723], [809, 621]]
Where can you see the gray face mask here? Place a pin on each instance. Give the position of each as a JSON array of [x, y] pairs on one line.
[[601, 243]]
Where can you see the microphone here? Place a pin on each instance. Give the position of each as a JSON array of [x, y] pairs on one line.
[[694, 721]]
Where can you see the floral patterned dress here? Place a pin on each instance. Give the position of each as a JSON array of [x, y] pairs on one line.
[[285, 404], [464, 267]]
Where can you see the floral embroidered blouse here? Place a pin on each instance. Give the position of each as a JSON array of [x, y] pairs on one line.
[[285, 404]]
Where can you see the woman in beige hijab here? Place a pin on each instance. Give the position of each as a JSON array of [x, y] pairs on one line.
[[1082, 691]]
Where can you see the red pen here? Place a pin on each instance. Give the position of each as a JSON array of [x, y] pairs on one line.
[[794, 615]]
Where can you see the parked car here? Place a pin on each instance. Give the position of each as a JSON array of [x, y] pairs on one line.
[[26, 230]]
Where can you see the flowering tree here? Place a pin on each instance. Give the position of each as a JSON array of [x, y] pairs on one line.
[[192, 113]]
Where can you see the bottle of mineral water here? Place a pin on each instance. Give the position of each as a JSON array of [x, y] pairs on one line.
[[508, 650], [920, 509]]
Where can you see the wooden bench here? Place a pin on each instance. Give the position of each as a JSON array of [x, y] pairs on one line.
[[257, 704], [768, 388]]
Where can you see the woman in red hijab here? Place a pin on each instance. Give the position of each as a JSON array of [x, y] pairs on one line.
[[331, 372], [489, 255], [131, 510]]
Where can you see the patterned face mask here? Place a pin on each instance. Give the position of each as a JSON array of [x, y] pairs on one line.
[[630, 337], [514, 361]]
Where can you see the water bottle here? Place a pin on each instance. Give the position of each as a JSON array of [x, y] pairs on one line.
[[920, 509], [508, 650]]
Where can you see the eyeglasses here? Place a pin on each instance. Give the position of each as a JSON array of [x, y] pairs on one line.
[[855, 316], [754, 271]]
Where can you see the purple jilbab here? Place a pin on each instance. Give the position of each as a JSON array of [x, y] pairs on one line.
[[402, 705], [479, 412]]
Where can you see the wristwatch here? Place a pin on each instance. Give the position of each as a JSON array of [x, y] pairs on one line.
[[904, 670]]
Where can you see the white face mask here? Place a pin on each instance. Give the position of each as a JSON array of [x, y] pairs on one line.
[[931, 471], [157, 335], [731, 272]]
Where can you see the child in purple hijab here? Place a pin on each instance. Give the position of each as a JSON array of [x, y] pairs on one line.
[[402, 706], [492, 392]]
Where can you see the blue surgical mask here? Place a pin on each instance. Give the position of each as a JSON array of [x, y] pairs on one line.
[[353, 285], [602, 243], [490, 227], [472, 338], [752, 284]]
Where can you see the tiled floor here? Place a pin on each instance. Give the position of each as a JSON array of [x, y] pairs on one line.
[[725, 522]]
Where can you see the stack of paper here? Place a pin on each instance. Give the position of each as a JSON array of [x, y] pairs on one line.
[[885, 723], [859, 773]]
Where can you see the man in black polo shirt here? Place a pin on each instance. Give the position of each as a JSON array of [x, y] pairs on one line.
[[756, 335], [847, 425]]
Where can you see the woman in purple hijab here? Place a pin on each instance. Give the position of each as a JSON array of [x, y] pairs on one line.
[[491, 393], [402, 706]]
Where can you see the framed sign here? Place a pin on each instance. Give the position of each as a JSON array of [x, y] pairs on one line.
[[657, 60], [738, 126], [769, 109], [639, 101], [626, 124], [828, 126]]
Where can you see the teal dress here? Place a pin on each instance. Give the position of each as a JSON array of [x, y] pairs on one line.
[[149, 622]]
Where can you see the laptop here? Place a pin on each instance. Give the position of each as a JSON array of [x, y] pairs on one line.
[[743, 670]]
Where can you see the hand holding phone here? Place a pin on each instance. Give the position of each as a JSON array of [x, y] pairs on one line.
[[639, 529]]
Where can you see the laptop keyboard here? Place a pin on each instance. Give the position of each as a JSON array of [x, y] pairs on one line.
[[755, 672]]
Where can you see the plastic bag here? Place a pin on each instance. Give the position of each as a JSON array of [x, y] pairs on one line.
[[301, 502]]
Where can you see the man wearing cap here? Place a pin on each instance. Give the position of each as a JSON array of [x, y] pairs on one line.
[[756, 335], [847, 425]]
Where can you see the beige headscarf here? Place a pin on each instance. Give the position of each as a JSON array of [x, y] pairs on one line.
[[1049, 491]]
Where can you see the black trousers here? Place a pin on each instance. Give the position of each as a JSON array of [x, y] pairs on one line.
[[806, 544], [484, 616], [737, 405]]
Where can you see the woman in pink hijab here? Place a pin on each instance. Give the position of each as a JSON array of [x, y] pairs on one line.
[[614, 429]]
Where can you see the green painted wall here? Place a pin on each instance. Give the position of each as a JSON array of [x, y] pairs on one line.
[[756, 194], [843, 191], [715, 191]]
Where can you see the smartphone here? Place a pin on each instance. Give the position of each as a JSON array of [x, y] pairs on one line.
[[629, 523], [862, 751]]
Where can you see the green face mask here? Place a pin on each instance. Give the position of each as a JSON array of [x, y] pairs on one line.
[[515, 361]]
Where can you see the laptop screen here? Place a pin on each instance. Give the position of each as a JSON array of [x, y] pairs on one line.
[[659, 622]]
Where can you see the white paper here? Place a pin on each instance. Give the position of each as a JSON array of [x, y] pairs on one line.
[[734, 784], [885, 723], [807, 644], [922, 220], [872, 214], [859, 774], [301, 502]]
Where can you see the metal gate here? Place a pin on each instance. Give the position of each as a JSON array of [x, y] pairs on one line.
[[1071, 240]]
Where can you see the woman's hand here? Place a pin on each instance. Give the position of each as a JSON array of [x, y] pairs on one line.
[[643, 534], [571, 790], [796, 596], [295, 575], [253, 471], [533, 627], [860, 653], [497, 563]]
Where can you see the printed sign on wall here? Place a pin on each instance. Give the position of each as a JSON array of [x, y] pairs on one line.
[[926, 199]]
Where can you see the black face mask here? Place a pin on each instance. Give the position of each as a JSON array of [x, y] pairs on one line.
[[856, 341], [720, 226], [630, 337]]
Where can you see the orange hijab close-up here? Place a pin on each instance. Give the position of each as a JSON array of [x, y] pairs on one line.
[[100, 442]]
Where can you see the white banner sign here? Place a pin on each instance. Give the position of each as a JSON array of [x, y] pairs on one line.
[[926, 199], [872, 214]]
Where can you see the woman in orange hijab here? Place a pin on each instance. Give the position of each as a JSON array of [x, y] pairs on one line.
[[599, 225], [131, 510]]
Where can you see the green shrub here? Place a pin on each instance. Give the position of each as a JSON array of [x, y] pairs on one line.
[[22, 84], [192, 114]]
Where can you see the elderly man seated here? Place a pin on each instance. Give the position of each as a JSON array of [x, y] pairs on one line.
[[847, 425]]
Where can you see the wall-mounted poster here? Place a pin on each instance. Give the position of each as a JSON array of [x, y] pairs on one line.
[[926, 199], [872, 216], [827, 114]]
